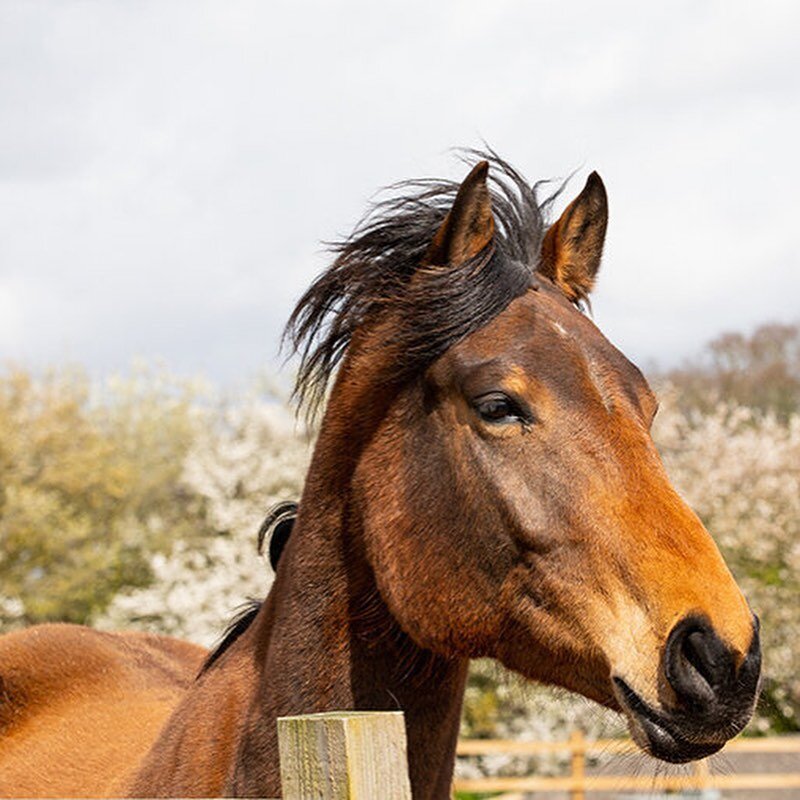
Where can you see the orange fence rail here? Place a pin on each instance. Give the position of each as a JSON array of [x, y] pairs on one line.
[[578, 783]]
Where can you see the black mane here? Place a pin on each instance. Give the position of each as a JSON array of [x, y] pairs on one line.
[[276, 528], [374, 266], [236, 627]]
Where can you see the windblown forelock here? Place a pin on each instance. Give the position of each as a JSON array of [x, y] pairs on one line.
[[377, 273]]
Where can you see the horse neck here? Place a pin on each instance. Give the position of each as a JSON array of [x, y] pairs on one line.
[[326, 641]]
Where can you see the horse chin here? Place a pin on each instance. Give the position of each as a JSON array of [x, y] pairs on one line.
[[657, 733]]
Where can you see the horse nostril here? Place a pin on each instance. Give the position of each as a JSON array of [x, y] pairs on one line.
[[697, 664], [715, 685], [695, 649]]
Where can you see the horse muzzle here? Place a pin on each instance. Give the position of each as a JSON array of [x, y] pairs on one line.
[[715, 691]]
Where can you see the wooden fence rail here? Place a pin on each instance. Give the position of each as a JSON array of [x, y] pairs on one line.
[[362, 756], [578, 783]]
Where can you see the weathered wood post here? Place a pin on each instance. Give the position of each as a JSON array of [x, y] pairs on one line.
[[344, 755]]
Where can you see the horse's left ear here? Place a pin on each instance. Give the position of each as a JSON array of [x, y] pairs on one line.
[[572, 247], [469, 225]]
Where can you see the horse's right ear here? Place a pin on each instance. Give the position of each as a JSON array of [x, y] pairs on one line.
[[573, 245], [469, 226]]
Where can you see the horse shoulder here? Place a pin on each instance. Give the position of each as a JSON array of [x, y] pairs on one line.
[[80, 707], [195, 752]]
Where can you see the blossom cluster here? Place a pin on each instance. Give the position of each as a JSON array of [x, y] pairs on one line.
[[245, 458]]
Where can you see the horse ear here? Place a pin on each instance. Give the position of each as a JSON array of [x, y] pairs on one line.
[[469, 226], [572, 247]]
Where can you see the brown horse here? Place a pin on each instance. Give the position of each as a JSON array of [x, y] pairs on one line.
[[484, 484]]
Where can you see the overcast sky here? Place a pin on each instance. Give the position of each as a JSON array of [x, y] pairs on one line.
[[168, 169]]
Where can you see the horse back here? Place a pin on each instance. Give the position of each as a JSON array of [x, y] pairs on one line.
[[79, 708]]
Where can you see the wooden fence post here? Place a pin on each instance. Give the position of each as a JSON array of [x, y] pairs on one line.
[[577, 745], [346, 755]]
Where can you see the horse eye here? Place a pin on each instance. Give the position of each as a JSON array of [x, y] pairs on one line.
[[498, 407]]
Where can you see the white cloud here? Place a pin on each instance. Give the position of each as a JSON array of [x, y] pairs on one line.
[[167, 169]]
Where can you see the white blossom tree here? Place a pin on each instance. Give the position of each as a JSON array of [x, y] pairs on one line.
[[247, 456]]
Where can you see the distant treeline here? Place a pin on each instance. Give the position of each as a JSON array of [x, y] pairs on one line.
[[761, 371]]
